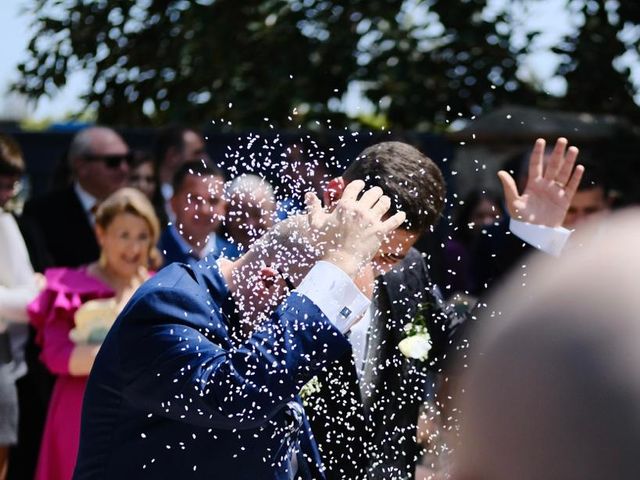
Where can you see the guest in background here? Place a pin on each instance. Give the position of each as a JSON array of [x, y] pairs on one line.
[[592, 201], [144, 176], [142, 173], [18, 286], [300, 171], [99, 160], [498, 251], [200, 208], [476, 212], [74, 312], [251, 211], [175, 146]]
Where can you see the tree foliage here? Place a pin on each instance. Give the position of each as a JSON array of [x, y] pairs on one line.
[[454, 60], [193, 61], [595, 80]]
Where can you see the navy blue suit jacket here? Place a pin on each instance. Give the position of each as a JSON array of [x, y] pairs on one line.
[[175, 249], [173, 394]]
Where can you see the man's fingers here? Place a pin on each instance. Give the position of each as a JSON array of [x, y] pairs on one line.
[[509, 187], [391, 223], [536, 159], [370, 197], [352, 190], [574, 182], [314, 209], [381, 207], [557, 157], [567, 166], [314, 206]]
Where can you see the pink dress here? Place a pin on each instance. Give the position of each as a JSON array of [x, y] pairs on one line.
[[52, 315]]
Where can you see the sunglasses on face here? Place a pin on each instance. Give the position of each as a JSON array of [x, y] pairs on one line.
[[111, 161]]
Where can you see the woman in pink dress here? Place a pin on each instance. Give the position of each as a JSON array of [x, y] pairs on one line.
[[74, 312]]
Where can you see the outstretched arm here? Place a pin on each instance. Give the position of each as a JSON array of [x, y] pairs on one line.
[[549, 190]]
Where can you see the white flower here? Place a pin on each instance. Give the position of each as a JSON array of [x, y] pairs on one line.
[[309, 388], [416, 346]]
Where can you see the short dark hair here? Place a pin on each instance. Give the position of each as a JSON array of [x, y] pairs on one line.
[[170, 137], [411, 179], [11, 160], [199, 168]]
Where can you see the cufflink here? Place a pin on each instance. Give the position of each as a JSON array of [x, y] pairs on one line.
[[345, 312]]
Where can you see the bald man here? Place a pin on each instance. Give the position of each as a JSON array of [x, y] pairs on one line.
[[555, 393], [99, 160]]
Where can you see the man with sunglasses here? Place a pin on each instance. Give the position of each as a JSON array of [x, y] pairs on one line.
[[99, 161]]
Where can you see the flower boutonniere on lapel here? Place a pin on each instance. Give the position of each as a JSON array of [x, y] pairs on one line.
[[417, 341], [308, 389]]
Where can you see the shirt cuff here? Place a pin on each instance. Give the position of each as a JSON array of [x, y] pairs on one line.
[[335, 294], [550, 240]]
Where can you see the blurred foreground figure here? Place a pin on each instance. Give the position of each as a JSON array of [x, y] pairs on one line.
[[556, 391]]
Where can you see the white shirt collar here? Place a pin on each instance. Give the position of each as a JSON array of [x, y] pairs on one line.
[[208, 247], [87, 200]]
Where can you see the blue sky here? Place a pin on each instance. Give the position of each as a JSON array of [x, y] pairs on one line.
[[14, 37], [548, 16]]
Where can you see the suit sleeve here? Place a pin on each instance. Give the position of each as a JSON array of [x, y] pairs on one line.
[[175, 370]]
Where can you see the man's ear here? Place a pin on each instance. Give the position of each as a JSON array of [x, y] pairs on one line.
[[99, 235], [333, 192]]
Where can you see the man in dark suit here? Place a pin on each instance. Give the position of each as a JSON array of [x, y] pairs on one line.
[[199, 206], [365, 415], [99, 161], [499, 251], [199, 375]]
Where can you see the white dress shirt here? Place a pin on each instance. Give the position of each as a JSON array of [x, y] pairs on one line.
[[333, 292], [359, 339], [551, 240], [17, 287], [87, 201]]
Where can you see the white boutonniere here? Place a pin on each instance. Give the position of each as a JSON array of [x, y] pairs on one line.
[[309, 388], [417, 341]]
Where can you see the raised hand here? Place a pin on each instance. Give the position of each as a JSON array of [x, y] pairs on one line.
[[548, 192], [352, 233]]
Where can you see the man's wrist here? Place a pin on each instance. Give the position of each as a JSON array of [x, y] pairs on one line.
[[347, 263]]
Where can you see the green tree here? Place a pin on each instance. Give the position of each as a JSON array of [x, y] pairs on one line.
[[436, 57], [158, 60], [596, 82], [421, 62]]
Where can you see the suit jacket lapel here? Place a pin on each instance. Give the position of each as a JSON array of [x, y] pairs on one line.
[[399, 294], [81, 229]]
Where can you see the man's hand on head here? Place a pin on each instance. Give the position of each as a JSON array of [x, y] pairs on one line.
[[352, 233], [548, 192]]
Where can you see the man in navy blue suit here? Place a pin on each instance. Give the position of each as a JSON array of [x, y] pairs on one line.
[[199, 376], [199, 208]]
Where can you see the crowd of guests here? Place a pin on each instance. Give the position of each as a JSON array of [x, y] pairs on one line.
[[120, 216], [75, 256]]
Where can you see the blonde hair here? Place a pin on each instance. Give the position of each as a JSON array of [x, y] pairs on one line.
[[130, 200]]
